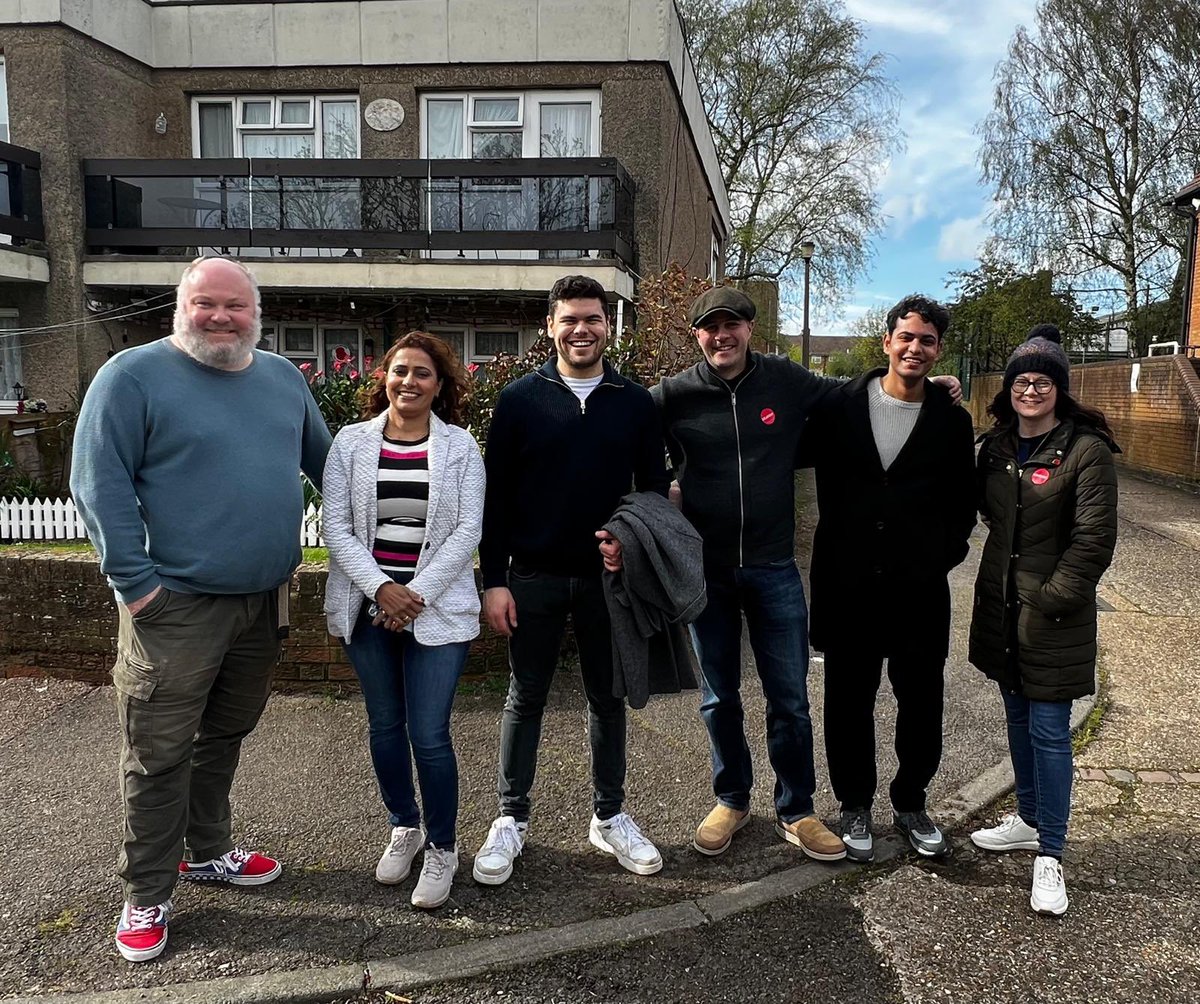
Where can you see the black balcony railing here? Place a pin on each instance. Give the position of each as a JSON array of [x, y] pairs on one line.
[[21, 194], [555, 207]]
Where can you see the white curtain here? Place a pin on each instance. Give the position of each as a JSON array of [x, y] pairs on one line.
[[216, 130], [270, 145], [566, 130], [496, 109], [10, 358], [444, 129]]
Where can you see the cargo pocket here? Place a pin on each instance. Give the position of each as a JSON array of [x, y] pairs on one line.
[[135, 681]]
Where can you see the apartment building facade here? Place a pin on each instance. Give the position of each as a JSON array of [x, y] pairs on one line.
[[381, 164]]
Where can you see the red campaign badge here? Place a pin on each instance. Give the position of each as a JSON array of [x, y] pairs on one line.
[[767, 416], [1040, 476]]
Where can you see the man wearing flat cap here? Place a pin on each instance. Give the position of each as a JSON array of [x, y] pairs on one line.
[[732, 424]]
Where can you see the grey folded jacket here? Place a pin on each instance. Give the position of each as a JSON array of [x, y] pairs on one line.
[[659, 589]]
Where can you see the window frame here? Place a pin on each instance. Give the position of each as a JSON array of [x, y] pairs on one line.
[[530, 112], [314, 128]]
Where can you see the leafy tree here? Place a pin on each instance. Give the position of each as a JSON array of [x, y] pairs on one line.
[[1095, 123], [803, 119], [995, 305]]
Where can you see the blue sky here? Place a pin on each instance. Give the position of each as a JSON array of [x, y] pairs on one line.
[[941, 56]]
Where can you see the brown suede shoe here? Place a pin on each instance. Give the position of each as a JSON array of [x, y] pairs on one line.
[[813, 837], [715, 834]]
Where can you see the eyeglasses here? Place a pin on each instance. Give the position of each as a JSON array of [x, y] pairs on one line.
[[1043, 386]]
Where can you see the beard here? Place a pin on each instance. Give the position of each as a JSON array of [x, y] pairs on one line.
[[223, 355]]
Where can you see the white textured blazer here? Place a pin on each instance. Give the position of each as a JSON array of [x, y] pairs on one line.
[[445, 574]]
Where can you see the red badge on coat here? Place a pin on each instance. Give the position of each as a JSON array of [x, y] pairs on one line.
[[1040, 476], [767, 416]]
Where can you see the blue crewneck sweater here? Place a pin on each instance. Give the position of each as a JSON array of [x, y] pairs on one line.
[[188, 476]]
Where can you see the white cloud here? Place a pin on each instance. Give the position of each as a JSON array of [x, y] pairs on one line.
[[915, 19], [961, 238]]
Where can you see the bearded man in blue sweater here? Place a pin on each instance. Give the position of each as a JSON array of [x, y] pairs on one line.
[[186, 471]]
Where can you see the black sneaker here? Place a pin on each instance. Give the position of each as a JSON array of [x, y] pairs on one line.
[[856, 835], [922, 833]]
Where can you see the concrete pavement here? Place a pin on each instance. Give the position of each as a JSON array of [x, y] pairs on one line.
[[306, 792]]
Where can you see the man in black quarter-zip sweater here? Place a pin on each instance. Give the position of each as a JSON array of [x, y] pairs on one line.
[[732, 423], [565, 444]]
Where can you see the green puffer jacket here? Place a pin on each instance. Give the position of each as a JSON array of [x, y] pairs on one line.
[[1052, 529]]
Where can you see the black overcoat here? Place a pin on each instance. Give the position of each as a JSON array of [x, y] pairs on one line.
[[1052, 528], [886, 540]]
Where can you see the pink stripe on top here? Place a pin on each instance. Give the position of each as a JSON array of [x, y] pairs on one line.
[[407, 455]]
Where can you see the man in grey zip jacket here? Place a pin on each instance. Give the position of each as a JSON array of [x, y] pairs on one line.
[[732, 423]]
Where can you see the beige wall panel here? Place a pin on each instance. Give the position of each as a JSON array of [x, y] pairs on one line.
[[309, 34], [601, 27], [231, 36], [404, 31], [493, 31]]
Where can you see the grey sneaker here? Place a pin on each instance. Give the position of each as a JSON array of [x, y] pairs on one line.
[[437, 875], [397, 859], [922, 833], [856, 835]]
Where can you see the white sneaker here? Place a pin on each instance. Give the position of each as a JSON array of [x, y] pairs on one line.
[[394, 866], [437, 875], [1012, 833], [1049, 893], [494, 860], [620, 836]]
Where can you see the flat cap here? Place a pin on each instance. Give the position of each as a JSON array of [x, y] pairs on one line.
[[726, 298]]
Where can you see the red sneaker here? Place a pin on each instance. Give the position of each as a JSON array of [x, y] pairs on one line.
[[238, 867], [142, 931]]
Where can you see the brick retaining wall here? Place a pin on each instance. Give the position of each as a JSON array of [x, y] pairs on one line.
[[1157, 426], [57, 619]]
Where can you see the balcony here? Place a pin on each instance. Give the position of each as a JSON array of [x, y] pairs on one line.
[[21, 215], [494, 210]]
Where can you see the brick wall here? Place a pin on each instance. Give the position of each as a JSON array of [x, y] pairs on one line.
[[57, 619], [1157, 427]]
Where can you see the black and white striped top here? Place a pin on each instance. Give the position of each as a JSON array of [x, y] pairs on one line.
[[403, 498]]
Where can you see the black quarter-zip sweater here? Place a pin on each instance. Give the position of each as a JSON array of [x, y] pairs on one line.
[[733, 445], [556, 470]]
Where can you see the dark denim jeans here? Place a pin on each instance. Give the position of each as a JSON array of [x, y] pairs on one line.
[[543, 603], [1039, 739], [772, 598], [409, 689]]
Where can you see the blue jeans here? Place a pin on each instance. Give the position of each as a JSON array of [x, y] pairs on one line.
[[1039, 739], [772, 598], [409, 689]]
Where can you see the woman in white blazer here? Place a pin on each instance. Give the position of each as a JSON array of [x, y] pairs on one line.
[[403, 509]]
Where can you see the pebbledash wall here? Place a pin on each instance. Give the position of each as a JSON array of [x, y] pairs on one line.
[[1152, 405], [57, 618]]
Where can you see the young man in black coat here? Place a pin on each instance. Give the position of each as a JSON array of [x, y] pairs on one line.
[[895, 473]]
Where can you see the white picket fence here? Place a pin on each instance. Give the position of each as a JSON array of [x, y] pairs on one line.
[[43, 519]]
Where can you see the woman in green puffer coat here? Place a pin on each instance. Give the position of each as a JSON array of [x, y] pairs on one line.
[[1048, 494]]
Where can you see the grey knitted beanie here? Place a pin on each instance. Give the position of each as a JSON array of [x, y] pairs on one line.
[[1041, 352]]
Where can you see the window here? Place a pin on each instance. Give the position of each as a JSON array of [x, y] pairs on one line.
[[510, 125], [266, 125], [10, 355], [491, 343], [314, 344]]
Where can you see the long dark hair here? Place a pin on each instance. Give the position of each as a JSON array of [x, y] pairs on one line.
[[449, 402], [1005, 416]]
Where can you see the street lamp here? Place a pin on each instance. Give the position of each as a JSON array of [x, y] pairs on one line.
[[806, 252]]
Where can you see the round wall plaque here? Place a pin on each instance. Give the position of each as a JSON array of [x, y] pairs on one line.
[[384, 114]]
